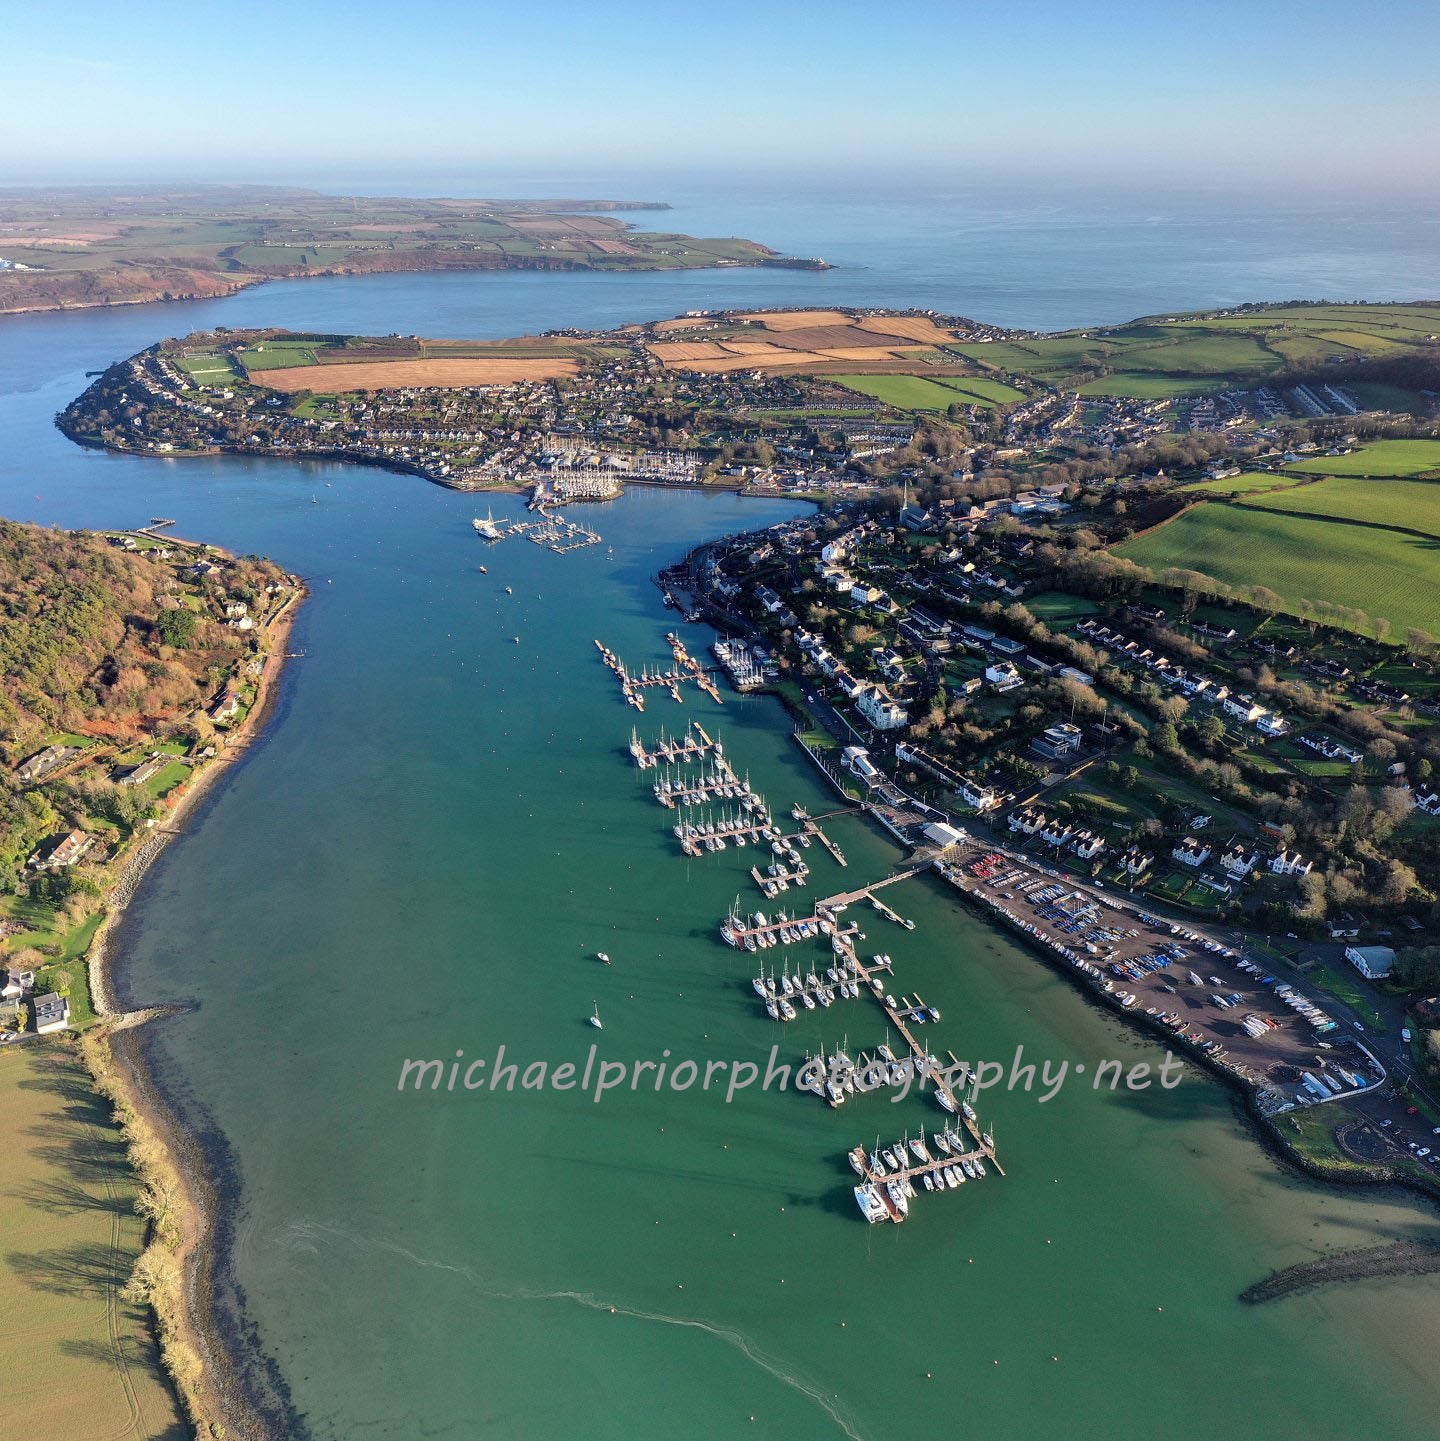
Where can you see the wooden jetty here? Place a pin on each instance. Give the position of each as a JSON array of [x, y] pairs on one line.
[[686, 669], [812, 829], [688, 747]]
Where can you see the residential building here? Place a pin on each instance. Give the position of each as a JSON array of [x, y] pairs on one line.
[[1373, 962], [65, 852], [50, 1013], [880, 710]]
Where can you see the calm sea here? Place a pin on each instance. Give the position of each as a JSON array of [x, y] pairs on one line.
[[441, 828]]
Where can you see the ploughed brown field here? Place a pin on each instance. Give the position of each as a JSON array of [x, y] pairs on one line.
[[828, 337], [394, 374], [716, 357], [910, 327]]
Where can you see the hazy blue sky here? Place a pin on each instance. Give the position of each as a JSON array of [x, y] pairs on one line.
[[1332, 93]]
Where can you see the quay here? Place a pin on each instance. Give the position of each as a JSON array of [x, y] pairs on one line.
[[697, 837], [778, 878], [886, 1190], [903, 1014], [720, 783], [1207, 996]]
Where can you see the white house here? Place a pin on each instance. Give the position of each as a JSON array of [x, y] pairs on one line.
[[1373, 962], [1003, 676], [1238, 862], [973, 793], [876, 705], [1027, 819], [1136, 862], [1243, 708], [1191, 852], [1289, 863], [856, 760]]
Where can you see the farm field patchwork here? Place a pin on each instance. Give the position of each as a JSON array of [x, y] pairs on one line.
[[1384, 573]]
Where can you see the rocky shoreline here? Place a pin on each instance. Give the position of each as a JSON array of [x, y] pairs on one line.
[[1399, 1258]]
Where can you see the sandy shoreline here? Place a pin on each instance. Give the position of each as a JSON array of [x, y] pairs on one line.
[[186, 1176]]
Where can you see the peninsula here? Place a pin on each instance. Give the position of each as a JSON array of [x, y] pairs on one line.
[[62, 249], [133, 666]]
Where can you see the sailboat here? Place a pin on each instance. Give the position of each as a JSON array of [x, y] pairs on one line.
[[486, 529], [595, 1017]]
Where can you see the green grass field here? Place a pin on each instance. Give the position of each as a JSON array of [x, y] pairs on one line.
[[984, 391], [1130, 385], [906, 392], [1382, 572], [82, 1363], [274, 354], [208, 369], [1384, 457], [1057, 607], [1242, 484], [1411, 504]]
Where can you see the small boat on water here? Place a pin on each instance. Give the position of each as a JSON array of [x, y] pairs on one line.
[[595, 1017], [601, 956], [483, 571]]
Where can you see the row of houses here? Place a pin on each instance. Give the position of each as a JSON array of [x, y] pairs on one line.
[[1239, 860], [1032, 821], [1126, 650], [975, 793], [874, 702]]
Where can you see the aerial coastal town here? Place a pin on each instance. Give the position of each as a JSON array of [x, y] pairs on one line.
[[1037, 627]]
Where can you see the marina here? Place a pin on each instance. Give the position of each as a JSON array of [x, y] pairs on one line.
[[552, 531], [889, 1178]]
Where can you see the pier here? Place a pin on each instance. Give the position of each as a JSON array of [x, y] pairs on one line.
[[811, 828], [694, 744], [685, 669]]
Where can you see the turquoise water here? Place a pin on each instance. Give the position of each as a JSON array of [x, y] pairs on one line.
[[440, 828]]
